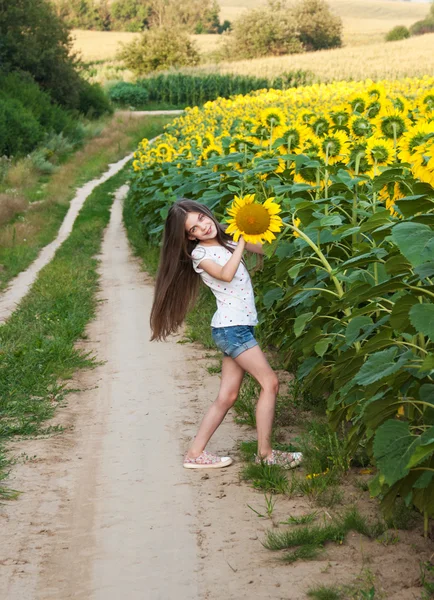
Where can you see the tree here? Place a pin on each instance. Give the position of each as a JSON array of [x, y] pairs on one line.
[[130, 15], [318, 27], [271, 30], [158, 49], [35, 40]]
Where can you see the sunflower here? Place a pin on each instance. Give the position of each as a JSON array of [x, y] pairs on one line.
[[392, 123], [414, 137], [401, 104], [340, 117], [195, 142], [376, 91], [294, 138], [358, 102], [255, 222], [379, 153], [358, 158], [373, 109], [270, 156], [272, 117], [320, 126], [211, 151], [360, 126], [335, 148], [389, 194], [165, 152], [296, 222], [426, 104]]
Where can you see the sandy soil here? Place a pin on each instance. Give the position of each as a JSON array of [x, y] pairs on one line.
[[107, 510]]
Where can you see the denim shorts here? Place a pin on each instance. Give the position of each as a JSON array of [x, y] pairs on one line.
[[232, 341]]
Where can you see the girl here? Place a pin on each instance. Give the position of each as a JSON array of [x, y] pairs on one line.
[[196, 247]]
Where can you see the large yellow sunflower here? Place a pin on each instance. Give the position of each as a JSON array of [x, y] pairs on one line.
[[255, 222], [379, 153]]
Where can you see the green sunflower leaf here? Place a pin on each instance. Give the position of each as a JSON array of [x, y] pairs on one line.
[[415, 241], [380, 365], [422, 319], [393, 448]]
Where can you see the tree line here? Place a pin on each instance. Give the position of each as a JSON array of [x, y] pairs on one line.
[[194, 16]]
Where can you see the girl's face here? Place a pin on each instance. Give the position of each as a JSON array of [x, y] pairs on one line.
[[199, 226]]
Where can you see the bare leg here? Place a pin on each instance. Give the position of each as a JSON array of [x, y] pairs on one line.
[[232, 376], [254, 362]]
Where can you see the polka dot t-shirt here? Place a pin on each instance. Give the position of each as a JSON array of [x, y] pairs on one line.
[[235, 300]]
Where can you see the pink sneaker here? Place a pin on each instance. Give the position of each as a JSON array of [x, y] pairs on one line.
[[205, 460], [286, 460]]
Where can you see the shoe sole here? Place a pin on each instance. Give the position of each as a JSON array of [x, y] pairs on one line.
[[220, 465]]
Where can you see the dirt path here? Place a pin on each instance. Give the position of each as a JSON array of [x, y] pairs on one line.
[[107, 511]]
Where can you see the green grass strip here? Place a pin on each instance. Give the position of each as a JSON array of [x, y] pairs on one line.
[[37, 352]]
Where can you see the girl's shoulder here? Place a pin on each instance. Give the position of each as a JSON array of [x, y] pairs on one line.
[[202, 251]]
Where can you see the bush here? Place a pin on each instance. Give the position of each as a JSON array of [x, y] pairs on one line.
[[260, 32], [49, 115], [400, 32], [422, 27], [20, 131], [318, 27], [128, 94], [93, 102], [159, 49]]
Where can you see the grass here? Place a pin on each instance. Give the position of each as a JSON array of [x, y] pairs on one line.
[[29, 230], [323, 592], [269, 478], [312, 538]]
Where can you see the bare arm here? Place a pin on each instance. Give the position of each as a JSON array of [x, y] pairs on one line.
[[227, 271], [256, 248]]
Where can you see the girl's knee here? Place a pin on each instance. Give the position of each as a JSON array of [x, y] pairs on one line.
[[227, 399], [271, 384]]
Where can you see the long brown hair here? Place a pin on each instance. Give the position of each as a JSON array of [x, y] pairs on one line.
[[177, 282]]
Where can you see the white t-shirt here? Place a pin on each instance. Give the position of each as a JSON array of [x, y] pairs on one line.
[[235, 299]]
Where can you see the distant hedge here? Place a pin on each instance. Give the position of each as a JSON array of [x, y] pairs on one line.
[[179, 89]]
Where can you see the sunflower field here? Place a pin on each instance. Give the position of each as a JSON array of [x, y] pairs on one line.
[[347, 288]]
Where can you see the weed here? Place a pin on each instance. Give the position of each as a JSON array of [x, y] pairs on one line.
[[269, 478], [301, 520], [388, 538], [215, 369], [245, 406], [323, 450], [427, 579], [270, 503], [362, 485], [324, 592], [312, 538], [302, 553]]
